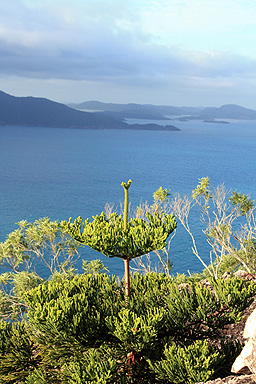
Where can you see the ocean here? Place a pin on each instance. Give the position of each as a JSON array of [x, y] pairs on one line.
[[62, 173]]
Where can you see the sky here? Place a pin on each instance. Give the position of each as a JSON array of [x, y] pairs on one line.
[[163, 52]]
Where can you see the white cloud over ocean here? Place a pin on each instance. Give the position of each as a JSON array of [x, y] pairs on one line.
[[162, 52]]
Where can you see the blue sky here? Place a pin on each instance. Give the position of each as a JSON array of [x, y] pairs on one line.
[[172, 52]]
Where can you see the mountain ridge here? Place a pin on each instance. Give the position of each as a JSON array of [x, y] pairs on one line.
[[132, 110], [229, 111], [42, 112]]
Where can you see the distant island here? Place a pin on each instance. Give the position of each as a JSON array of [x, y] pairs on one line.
[[40, 112], [160, 112]]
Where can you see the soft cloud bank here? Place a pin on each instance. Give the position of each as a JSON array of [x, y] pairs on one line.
[[161, 52]]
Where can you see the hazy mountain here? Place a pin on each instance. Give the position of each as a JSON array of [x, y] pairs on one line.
[[131, 110], [229, 111], [39, 112], [158, 112]]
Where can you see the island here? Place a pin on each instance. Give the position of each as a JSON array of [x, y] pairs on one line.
[[41, 112]]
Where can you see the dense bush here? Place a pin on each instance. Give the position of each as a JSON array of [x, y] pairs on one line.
[[84, 330], [18, 352]]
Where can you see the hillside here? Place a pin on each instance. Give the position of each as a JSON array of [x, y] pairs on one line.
[[229, 111], [159, 112], [131, 110], [128, 108], [39, 112]]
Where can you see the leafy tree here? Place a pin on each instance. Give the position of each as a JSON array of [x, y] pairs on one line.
[[115, 236], [43, 241], [242, 202], [12, 286], [229, 226], [26, 249]]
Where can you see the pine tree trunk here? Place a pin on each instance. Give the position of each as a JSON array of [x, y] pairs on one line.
[[126, 260], [127, 277]]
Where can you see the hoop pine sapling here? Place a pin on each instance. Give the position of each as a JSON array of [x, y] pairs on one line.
[[117, 237]]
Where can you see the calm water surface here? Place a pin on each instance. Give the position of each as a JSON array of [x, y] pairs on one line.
[[70, 172]]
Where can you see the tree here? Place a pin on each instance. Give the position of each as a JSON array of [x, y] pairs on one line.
[[145, 264], [43, 241], [115, 236], [229, 226], [30, 246]]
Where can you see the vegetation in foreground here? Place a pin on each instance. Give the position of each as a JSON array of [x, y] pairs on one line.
[[84, 330], [87, 328]]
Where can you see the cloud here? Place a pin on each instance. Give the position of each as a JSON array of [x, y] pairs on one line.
[[103, 39], [114, 57], [148, 45]]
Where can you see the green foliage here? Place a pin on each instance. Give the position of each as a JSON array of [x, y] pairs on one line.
[[161, 262], [241, 201], [26, 249], [187, 364], [18, 352], [182, 278], [136, 332], [231, 264], [202, 189], [126, 187], [85, 329], [71, 307], [93, 267], [115, 236], [62, 276], [107, 235], [37, 376], [12, 287], [95, 367], [228, 224], [42, 240], [161, 195], [85, 323], [24, 281], [235, 295], [192, 311]]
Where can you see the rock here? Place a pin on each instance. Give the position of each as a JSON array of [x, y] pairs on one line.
[[236, 332], [244, 275], [245, 379], [247, 358], [250, 326], [240, 274]]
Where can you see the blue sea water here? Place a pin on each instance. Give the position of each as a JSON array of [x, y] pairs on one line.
[[70, 172]]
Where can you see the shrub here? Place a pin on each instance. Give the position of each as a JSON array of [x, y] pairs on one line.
[[87, 322], [18, 351], [187, 364]]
